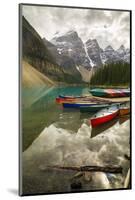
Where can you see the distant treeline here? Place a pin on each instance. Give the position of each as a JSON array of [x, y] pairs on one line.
[[112, 74]]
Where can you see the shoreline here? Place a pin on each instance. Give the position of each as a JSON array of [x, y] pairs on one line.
[[110, 86]]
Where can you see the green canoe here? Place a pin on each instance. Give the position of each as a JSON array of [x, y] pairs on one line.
[[98, 92], [110, 92], [93, 108]]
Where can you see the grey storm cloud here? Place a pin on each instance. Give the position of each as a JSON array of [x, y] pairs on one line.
[[108, 27]]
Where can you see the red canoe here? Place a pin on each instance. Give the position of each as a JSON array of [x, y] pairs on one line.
[[62, 100], [104, 116], [84, 99]]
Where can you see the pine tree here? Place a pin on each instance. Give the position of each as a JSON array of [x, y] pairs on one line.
[[112, 74]]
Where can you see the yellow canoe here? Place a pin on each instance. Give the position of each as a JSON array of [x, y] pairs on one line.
[[124, 111]]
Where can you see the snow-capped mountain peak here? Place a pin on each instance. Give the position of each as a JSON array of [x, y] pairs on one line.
[[59, 34], [109, 48], [121, 50], [70, 45], [94, 50]]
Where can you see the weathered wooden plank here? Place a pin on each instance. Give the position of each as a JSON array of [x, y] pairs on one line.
[[106, 169], [127, 180]]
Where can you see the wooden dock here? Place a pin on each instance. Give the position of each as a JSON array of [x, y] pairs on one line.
[[119, 99]]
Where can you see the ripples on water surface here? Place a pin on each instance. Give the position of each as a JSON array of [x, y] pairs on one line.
[[53, 136]]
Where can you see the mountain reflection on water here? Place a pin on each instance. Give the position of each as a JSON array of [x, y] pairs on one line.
[[53, 136]]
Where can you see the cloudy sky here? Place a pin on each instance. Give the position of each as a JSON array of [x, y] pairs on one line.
[[108, 27]]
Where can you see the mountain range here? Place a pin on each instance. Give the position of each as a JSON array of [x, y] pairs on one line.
[[88, 54], [66, 58], [72, 53]]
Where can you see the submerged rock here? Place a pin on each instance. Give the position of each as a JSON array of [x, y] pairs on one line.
[[76, 185]]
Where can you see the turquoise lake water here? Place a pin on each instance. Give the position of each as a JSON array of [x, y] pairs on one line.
[[56, 136], [40, 110]]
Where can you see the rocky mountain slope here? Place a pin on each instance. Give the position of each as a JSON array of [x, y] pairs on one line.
[[71, 45], [62, 59], [94, 52], [124, 54], [37, 54], [32, 77]]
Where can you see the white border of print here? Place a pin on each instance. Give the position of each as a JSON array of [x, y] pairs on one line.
[[9, 99]]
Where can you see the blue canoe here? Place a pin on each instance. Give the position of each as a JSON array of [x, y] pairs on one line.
[[77, 105], [72, 97]]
